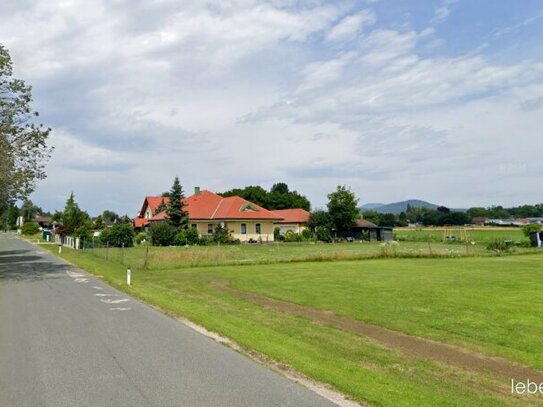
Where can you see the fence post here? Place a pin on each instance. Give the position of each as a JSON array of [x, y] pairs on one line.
[[107, 251], [122, 253]]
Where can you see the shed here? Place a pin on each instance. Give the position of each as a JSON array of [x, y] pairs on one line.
[[364, 228]]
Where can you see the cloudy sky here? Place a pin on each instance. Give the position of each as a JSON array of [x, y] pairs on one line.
[[438, 99]]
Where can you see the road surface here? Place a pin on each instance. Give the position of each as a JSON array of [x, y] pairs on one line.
[[67, 339]]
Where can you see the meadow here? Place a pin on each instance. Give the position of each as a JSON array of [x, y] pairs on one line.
[[480, 235], [410, 243], [396, 330]]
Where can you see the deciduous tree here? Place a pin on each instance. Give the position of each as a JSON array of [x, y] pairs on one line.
[[109, 217], [343, 208], [23, 143]]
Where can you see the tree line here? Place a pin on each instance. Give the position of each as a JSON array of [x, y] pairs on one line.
[[442, 215], [278, 197]]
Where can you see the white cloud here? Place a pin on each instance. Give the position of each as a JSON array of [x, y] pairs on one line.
[[351, 26], [74, 154], [317, 74], [442, 12], [518, 26], [383, 46], [240, 92]]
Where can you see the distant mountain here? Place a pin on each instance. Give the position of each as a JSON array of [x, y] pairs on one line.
[[371, 206], [398, 207]]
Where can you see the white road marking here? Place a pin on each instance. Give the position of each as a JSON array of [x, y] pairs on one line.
[[107, 301], [81, 280], [105, 295], [97, 288], [120, 309], [74, 274]]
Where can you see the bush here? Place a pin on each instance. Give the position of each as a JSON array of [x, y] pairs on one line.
[[222, 235], [277, 233], [498, 246], [306, 234], [187, 237], [291, 236], [162, 234], [529, 229], [323, 234], [30, 228], [118, 235], [83, 232], [141, 237]]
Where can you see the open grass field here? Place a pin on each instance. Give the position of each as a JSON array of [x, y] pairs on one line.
[[414, 243], [388, 331], [480, 235], [243, 254]]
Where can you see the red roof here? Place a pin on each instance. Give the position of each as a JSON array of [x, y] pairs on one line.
[[210, 206], [160, 216], [140, 222], [292, 215], [235, 207], [202, 205], [153, 202]]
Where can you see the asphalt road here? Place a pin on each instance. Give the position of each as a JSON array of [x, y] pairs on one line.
[[67, 339]]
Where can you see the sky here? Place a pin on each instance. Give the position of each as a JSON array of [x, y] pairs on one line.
[[439, 100]]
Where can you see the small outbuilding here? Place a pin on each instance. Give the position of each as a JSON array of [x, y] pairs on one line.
[[364, 229]]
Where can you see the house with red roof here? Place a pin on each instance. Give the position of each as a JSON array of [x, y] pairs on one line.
[[208, 210], [295, 220]]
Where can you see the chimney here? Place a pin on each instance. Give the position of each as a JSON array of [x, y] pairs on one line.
[[196, 190]]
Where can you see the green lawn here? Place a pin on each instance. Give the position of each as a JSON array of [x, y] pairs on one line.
[[488, 304], [481, 236]]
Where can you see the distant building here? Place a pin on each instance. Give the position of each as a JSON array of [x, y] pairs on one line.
[[43, 221], [479, 220], [207, 211], [364, 228], [295, 220], [505, 222]]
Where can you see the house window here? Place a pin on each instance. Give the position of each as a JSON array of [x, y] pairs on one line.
[[194, 225], [258, 230], [243, 228], [209, 228]]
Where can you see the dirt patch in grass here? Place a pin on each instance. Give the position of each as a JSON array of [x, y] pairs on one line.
[[410, 346]]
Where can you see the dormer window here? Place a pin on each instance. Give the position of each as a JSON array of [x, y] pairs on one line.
[[248, 208]]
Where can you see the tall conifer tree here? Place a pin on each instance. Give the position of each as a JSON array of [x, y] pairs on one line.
[[177, 216]]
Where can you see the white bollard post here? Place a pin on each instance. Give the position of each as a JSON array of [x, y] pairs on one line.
[[128, 276], [60, 249]]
